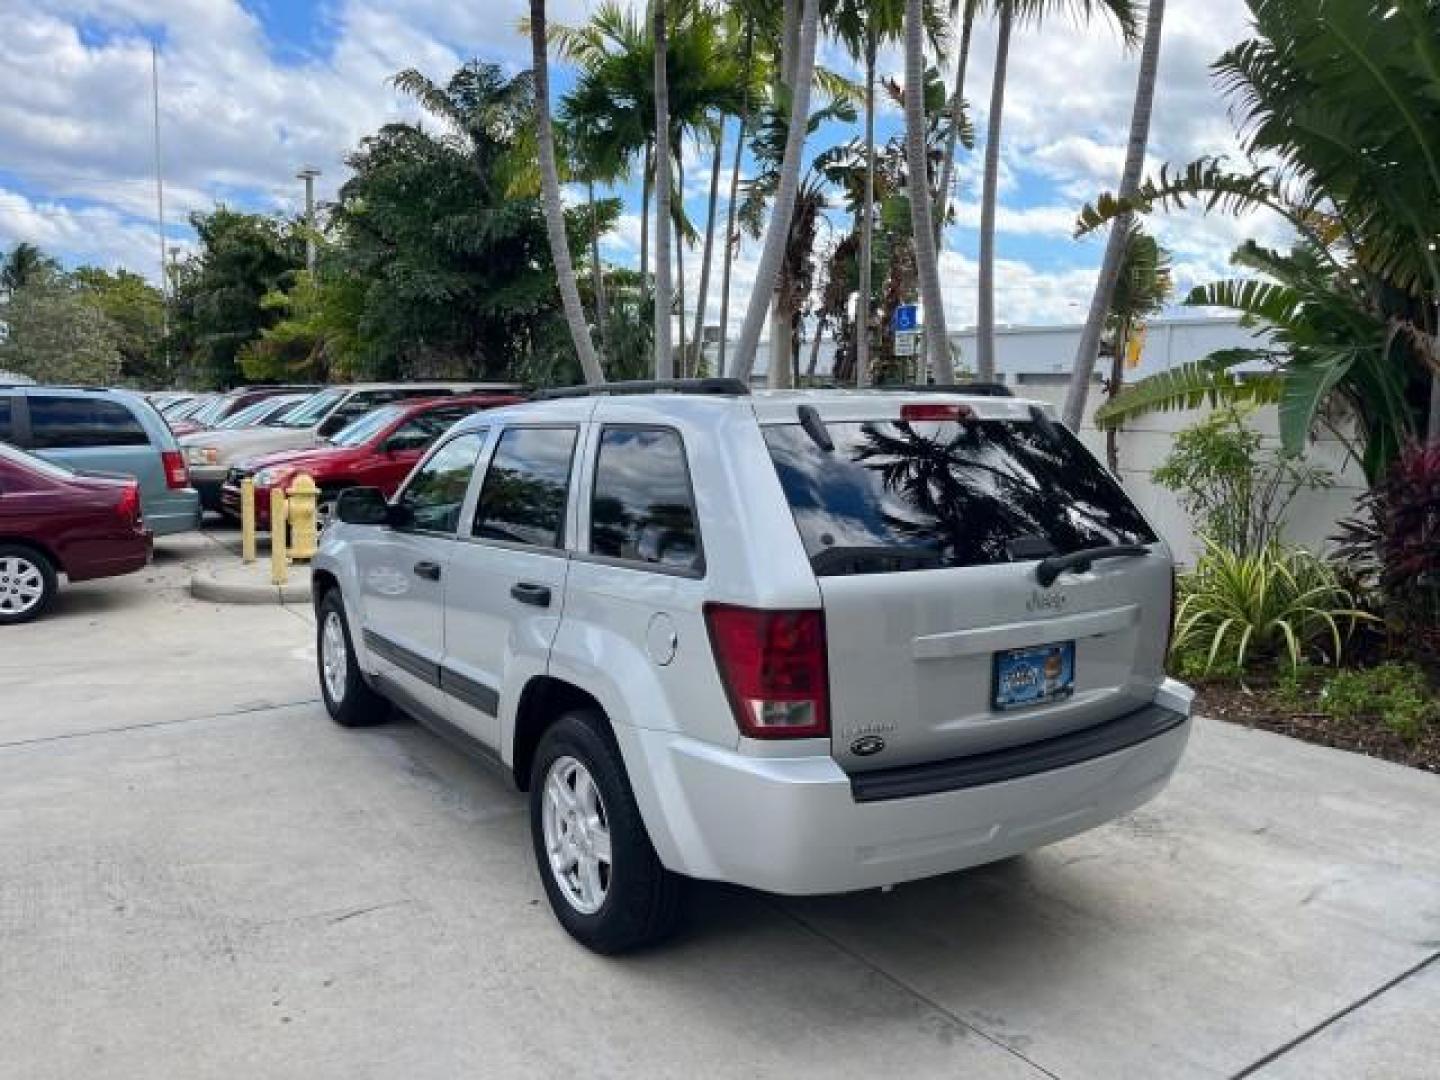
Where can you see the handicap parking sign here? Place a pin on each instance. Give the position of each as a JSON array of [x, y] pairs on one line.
[[906, 317]]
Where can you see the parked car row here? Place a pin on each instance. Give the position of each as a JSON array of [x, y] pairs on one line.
[[212, 454], [90, 476]]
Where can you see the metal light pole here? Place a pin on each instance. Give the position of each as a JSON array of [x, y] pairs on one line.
[[308, 173], [160, 208]]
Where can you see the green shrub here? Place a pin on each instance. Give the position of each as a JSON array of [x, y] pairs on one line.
[[1247, 610], [1398, 695], [1235, 491]]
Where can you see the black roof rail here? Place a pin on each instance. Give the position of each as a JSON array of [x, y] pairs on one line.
[[717, 387], [974, 389], [59, 386]]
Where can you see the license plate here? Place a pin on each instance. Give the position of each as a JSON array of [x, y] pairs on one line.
[[1034, 676]]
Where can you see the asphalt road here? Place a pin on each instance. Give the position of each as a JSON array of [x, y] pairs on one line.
[[201, 876]]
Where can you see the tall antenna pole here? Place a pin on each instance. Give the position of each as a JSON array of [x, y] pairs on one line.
[[160, 206]]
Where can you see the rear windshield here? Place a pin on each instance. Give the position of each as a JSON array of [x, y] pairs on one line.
[[898, 495]]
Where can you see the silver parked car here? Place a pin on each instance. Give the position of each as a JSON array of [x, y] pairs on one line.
[[212, 454], [806, 641], [106, 431]]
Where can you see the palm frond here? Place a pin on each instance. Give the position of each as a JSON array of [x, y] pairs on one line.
[[1188, 386]]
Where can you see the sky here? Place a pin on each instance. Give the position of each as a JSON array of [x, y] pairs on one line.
[[251, 90]]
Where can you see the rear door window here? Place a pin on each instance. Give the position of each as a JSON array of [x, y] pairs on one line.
[[642, 509], [903, 495], [7, 419], [83, 421], [523, 497]]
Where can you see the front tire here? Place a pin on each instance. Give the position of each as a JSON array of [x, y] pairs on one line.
[[28, 584], [601, 875], [348, 697]]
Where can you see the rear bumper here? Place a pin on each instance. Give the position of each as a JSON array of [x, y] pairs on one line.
[[124, 555], [178, 512], [796, 826]]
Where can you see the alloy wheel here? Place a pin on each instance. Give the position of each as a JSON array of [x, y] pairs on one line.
[[334, 660], [22, 585], [577, 835]]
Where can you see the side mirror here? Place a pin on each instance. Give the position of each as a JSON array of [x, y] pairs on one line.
[[362, 506]]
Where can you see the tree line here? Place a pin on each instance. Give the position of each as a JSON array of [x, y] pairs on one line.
[[449, 249]]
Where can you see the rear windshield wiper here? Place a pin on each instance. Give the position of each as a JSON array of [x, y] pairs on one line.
[[878, 559], [1050, 569]]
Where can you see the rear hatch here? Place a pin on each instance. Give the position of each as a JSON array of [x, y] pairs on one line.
[[927, 520]]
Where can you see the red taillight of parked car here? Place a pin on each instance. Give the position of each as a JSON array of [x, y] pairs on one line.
[[773, 666], [129, 506], [177, 473]]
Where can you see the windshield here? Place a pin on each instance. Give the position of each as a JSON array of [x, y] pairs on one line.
[[366, 427], [898, 495], [283, 409], [211, 411], [34, 464], [251, 414], [188, 409], [313, 410]]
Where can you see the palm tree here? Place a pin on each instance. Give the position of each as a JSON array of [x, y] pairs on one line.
[[1348, 105], [612, 108], [664, 358], [1125, 15], [861, 26], [964, 11], [1142, 288], [777, 236], [25, 265], [731, 240], [1117, 246], [550, 196], [937, 340]]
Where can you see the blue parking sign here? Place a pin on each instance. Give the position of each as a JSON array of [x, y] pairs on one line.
[[907, 317]]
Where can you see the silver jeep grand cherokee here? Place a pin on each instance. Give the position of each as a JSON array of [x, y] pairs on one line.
[[807, 641]]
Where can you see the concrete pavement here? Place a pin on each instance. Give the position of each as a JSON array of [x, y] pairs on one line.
[[201, 876]]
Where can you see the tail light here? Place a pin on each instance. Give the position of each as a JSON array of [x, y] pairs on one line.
[[1174, 600], [773, 666], [177, 474], [129, 505]]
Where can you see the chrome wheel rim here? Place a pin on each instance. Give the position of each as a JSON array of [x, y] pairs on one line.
[[334, 663], [577, 835], [22, 585]]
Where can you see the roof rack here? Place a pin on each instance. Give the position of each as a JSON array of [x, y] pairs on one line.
[[717, 387], [974, 389]]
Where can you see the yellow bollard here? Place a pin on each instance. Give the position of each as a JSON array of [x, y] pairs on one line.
[[247, 520], [279, 564], [302, 497]]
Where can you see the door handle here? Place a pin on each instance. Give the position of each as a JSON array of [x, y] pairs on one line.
[[526, 593], [428, 570]]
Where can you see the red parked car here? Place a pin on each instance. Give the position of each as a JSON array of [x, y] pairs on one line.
[[377, 450], [54, 521]]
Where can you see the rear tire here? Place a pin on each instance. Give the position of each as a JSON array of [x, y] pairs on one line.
[[582, 809], [348, 697], [28, 584]]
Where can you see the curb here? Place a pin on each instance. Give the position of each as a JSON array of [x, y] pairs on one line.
[[205, 586]]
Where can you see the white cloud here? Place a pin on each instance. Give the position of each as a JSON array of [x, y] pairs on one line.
[[237, 122]]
